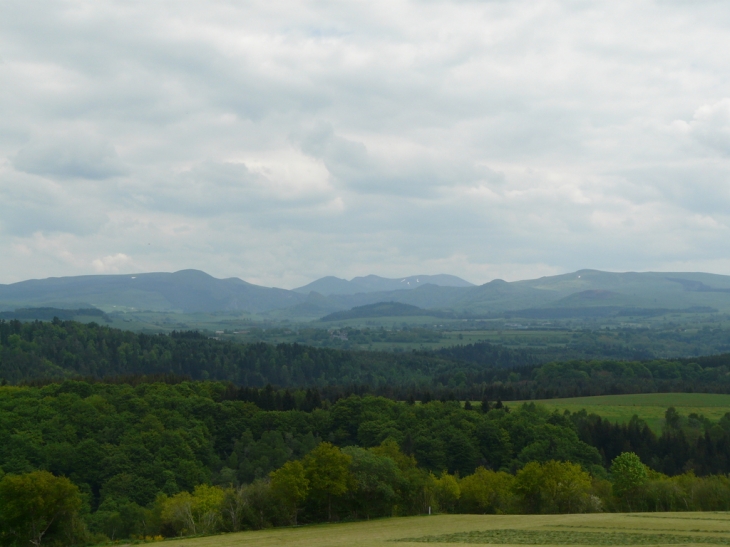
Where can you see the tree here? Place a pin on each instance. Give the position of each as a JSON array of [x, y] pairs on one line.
[[234, 505], [177, 512], [328, 471], [553, 487], [485, 406], [36, 506], [627, 474], [290, 485], [196, 513], [376, 479], [486, 491], [672, 418], [447, 491], [390, 449], [117, 519]]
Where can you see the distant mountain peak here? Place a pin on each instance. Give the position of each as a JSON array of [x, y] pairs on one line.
[[379, 309], [331, 285], [196, 291], [595, 294]]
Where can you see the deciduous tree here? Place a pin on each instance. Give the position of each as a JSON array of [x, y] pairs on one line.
[[36, 507], [628, 474], [328, 471], [290, 485]]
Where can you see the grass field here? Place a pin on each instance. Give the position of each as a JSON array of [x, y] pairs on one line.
[[593, 529], [649, 406]]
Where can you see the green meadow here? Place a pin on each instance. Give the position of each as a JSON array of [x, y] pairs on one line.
[[647, 406], [586, 529]]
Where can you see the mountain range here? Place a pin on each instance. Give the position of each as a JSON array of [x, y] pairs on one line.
[[330, 285], [579, 294]]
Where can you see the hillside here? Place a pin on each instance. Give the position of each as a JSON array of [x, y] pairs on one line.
[[372, 283], [183, 291], [380, 309], [48, 314], [34, 351], [672, 290], [142, 454], [582, 294]]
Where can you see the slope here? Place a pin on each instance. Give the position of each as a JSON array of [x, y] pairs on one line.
[[585, 293], [372, 283], [186, 291]]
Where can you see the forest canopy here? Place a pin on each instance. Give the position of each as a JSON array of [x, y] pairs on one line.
[[36, 351], [194, 457]]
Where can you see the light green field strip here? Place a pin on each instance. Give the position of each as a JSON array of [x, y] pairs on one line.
[[594, 529], [564, 537], [649, 407]]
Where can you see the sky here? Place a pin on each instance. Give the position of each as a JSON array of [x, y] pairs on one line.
[[280, 142]]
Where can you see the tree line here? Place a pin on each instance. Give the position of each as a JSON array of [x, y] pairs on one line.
[[331, 483], [39, 352], [62, 349], [148, 458]]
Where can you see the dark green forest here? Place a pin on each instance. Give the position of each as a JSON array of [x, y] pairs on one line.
[[37, 351], [553, 342], [142, 456], [137, 435]]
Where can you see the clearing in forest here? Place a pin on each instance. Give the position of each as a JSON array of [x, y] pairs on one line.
[[594, 529], [647, 406]]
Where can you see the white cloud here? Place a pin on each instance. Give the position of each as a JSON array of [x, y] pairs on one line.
[[284, 141], [710, 125], [112, 263]]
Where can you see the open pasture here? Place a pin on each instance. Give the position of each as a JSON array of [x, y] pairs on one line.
[[647, 406], [593, 529]]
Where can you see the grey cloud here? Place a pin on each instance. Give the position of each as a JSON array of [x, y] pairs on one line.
[[26, 219], [213, 189], [700, 188], [483, 136], [351, 164], [29, 205], [71, 155]]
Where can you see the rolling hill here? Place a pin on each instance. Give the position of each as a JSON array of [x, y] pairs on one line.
[[330, 285], [183, 291], [585, 293], [381, 309]]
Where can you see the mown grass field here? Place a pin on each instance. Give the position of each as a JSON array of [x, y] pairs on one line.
[[593, 529], [649, 406]]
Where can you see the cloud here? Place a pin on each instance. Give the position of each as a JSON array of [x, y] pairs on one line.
[[112, 263], [282, 142], [400, 169], [698, 188], [72, 155], [31, 204], [710, 126], [213, 189]]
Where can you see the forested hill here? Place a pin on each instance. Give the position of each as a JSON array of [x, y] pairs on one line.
[[35, 351], [38, 350], [142, 455]]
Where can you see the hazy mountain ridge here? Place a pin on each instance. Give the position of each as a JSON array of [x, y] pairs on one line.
[[195, 291], [186, 290], [331, 285], [381, 309]]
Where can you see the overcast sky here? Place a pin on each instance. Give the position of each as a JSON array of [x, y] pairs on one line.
[[283, 141]]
